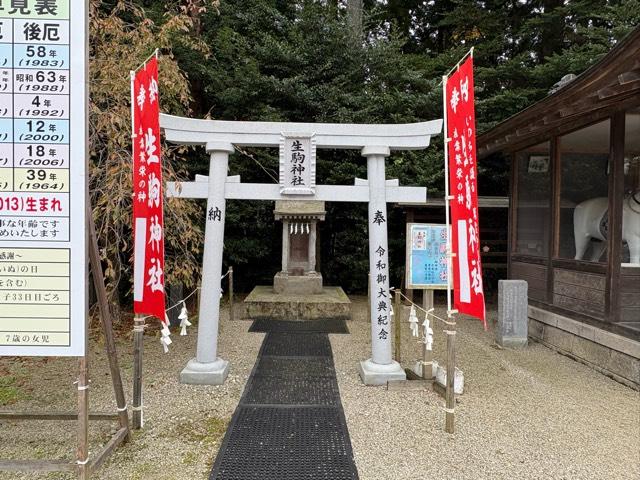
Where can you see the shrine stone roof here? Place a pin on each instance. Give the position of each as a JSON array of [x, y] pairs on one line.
[[299, 209]]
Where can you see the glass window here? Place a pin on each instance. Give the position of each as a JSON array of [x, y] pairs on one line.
[[534, 200], [631, 203], [584, 161]]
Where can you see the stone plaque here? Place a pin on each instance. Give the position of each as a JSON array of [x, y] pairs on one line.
[[297, 164], [512, 328]]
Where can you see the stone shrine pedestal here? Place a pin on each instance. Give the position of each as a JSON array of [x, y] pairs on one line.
[[297, 292]]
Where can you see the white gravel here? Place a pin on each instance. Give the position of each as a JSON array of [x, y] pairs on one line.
[[530, 414]]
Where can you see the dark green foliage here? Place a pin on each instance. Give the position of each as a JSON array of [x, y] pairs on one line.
[[297, 61]]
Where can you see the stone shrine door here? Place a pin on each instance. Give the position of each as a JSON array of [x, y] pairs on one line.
[[298, 253]]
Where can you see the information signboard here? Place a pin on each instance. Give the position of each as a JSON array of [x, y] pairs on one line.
[[42, 177], [426, 266]]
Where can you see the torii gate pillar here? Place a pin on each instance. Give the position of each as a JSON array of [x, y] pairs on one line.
[[207, 368], [381, 367]]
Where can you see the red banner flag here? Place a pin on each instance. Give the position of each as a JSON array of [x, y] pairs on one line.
[[463, 190], [148, 224]]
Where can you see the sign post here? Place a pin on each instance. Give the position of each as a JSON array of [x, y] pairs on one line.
[[427, 269]]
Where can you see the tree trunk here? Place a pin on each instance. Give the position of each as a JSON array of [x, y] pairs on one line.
[[354, 16], [552, 30]]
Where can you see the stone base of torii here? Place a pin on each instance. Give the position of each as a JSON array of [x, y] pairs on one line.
[[297, 143]]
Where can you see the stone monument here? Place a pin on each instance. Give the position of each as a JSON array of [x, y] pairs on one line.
[[513, 318]]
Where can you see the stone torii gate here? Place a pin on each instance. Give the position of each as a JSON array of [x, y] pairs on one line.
[[298, 143]]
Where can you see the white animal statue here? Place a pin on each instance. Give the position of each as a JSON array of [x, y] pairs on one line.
[[589, 222]]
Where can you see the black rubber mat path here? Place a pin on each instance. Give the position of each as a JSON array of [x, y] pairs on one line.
[[329, 325], [289, 424]]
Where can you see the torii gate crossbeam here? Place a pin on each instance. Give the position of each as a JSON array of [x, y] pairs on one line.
[[375, 142]]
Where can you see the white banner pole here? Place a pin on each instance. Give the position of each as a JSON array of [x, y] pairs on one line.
[[446, 189], [451, 331]]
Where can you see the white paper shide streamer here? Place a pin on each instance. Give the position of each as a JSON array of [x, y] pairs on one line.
[[428, 333], [166, 333], [184, 320], [413, 322]]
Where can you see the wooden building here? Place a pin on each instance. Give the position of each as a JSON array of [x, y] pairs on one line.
[[574, 222]]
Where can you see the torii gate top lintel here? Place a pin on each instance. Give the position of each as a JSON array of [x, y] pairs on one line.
[[406, 136]]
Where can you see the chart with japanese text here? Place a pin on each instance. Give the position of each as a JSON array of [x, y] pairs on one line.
[[42, 177]]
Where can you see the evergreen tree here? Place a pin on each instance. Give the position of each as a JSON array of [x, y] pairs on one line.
[[295, 60]]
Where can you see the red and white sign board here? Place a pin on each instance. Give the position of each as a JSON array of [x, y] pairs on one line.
[[43, 173], [148, 224], [463, 188]]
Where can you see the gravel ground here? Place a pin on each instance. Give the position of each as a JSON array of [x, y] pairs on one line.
[[528, 414], [524, 415], [184, 424]]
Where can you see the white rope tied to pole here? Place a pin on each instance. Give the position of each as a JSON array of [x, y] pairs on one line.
[[180, 302], [430, 312], [139, 328], [141, 410], [123, 409], [165, 340]]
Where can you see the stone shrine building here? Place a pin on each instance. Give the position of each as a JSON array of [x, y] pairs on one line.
[[298, 292], [299, 223]]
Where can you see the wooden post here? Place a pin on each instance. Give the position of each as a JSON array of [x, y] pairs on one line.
[[107, 324], [82, 452], [231, 313], [451, 367], [427, 355], [196, 299], [397, 323], [616, 197], [138, 350]]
